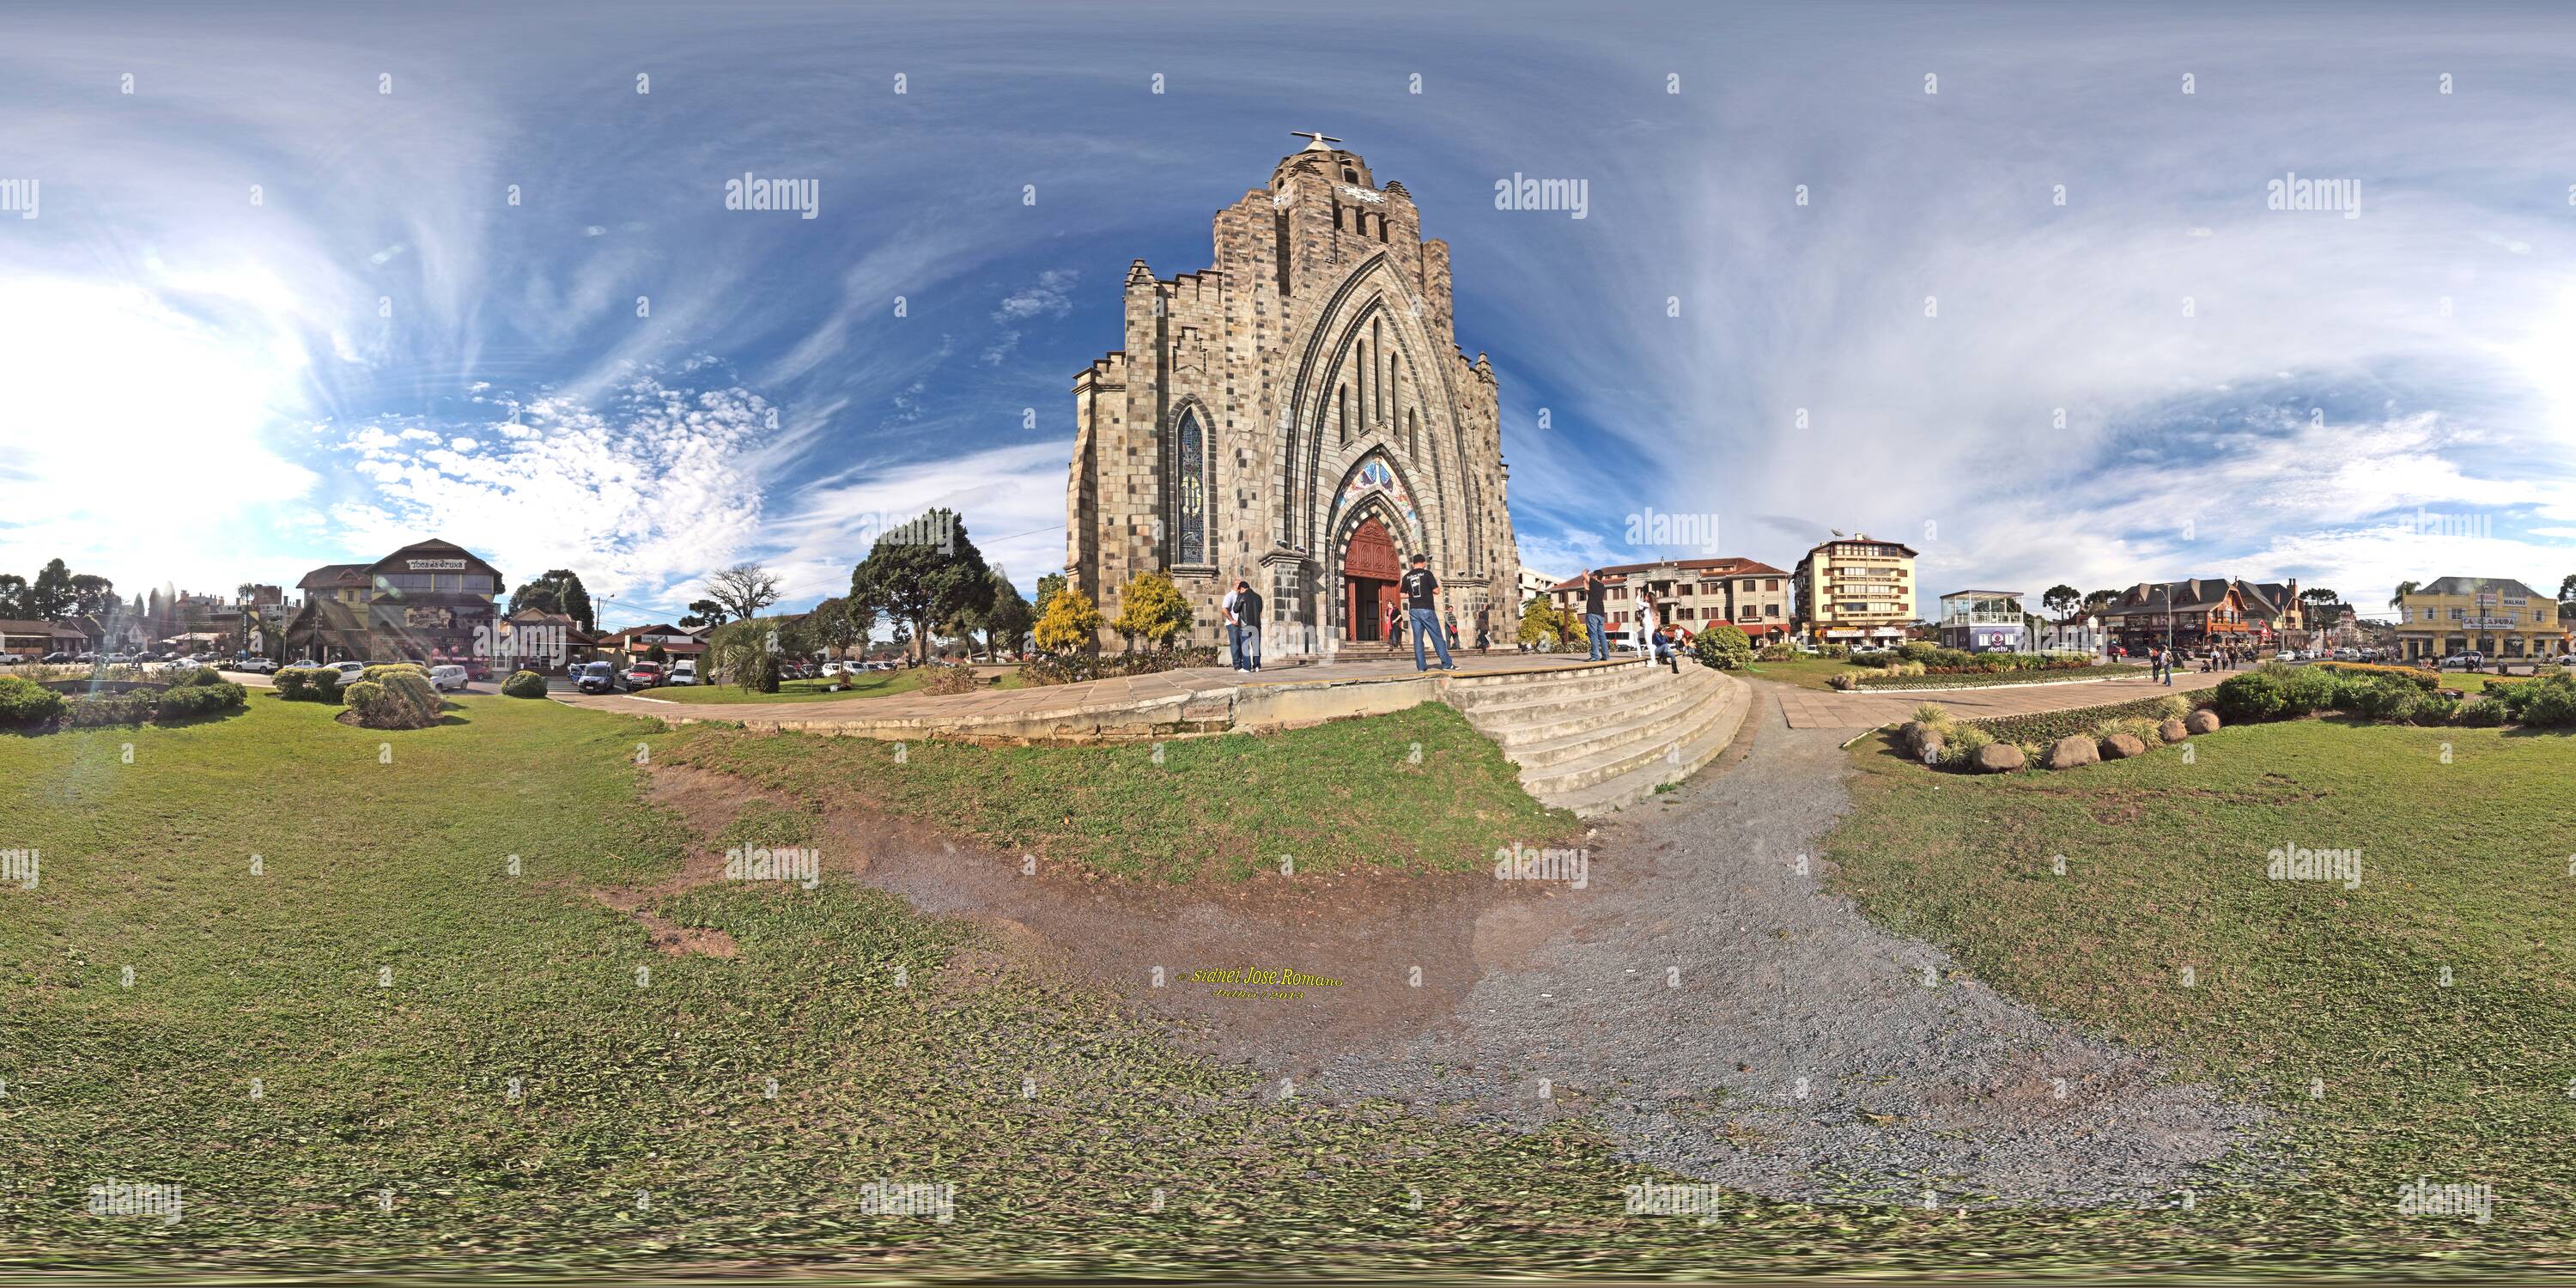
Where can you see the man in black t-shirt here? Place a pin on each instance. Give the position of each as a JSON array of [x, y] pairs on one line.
[[1247, 610], [1422, 604], [1596, 614]]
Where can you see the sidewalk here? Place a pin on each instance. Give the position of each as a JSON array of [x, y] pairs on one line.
[[1818, 709]]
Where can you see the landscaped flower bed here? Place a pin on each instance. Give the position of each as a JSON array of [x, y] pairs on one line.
[[2276, 693], [2054, 739]]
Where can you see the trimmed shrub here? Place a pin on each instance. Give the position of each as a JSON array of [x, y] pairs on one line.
[[401, 700], [2172, 706], [1723, 648], [2416, 676], [2377, 698], [2480, 713], [204, 675], [2255, 695], [1776, 653], [524, 684], [2306, 690], [107, 709], [2434, 709], [1837, 652], [308, 684], [378, 673], [200, 699], [25, 701], [2545, 703]]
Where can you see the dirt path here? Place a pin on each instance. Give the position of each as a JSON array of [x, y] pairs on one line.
[[1701, 997]]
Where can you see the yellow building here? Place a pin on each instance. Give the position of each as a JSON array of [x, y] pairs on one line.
[[1855, 590], [2496, 616]]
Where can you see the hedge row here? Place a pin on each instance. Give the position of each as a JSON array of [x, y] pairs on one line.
[[2040, 728], [204, 693], [1073, 668], [2055, 675]]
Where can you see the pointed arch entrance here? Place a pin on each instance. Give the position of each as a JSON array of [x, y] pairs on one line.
[[1370, 571]]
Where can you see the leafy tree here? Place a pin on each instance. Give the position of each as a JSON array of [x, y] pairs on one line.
[[2567, 588], [1544, 623], [2062, 599], [1151, 608], [655, 653], [95, 596], [1007, 618], [705, 612], [2099, 600], [830, 627], [744, 589], [559, 591], [1054, 582], [1069, 624], [2397, 598], [920, 582], [50, 597], [2319, 596], [13, 597]]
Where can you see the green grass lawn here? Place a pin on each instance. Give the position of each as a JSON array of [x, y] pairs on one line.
[[1418, 790], [1803, 671], [641, 1133], [872, 684], [2466, 838]]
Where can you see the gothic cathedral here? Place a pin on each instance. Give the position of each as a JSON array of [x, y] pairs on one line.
[[1298, 417]]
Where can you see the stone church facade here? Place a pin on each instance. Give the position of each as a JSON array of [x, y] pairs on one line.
[[1298, 416]]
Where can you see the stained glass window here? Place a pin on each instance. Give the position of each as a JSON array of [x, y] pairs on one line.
[[1193, 491]]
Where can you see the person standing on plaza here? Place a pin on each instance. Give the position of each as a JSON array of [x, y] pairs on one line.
[[1422, 597], [1233, 625], [1596, 614], [1394, 629], [1648, 620], [1449, 620], [1247, 610]]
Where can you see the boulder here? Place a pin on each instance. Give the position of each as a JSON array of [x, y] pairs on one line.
[[2121, 746], [2070, 751], [1926, 741], [2172, 731], [2202, 722], [1997, 758]]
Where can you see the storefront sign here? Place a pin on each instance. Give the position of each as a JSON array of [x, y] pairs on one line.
[[436, 565]]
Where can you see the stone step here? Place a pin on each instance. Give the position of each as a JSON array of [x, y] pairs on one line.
[[1604, 759], [1518, 724], [1639, 784], [1672, 715], [1475, 693]]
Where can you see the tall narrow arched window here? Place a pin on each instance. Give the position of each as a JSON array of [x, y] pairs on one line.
[[1412, 435], [1343, 397], [1191, 465]]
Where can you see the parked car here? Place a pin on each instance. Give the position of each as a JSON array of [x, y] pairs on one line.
[[684, 671], [447, 678], [257, 666], [596, 677], [350, 672], [643, 675]]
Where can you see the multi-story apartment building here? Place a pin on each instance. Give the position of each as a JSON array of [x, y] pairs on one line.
[[1695, 593], [1533, 584], [1856, 590], [2496, 616]]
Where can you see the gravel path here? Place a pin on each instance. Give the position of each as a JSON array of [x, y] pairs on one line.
[[1800, 1053]]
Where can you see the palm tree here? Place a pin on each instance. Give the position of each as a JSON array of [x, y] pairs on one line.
[[2404, 588]]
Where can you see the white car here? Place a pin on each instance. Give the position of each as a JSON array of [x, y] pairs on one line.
[[682, 672], [350, 672], [449, 679]]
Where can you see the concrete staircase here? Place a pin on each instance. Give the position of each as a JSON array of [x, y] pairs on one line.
[[1601, 737]]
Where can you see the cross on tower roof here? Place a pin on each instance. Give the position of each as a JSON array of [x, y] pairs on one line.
[[1319, 140]]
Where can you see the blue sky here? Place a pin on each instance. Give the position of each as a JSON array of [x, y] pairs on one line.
[[2160, 377]]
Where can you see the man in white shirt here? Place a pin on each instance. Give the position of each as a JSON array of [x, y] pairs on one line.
[[1233, 629]]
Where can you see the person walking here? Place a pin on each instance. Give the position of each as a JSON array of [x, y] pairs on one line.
[[1449, 619], [1394, 629], [1422, 597], [1233, 625], [1596, 614], [1247, 610]]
